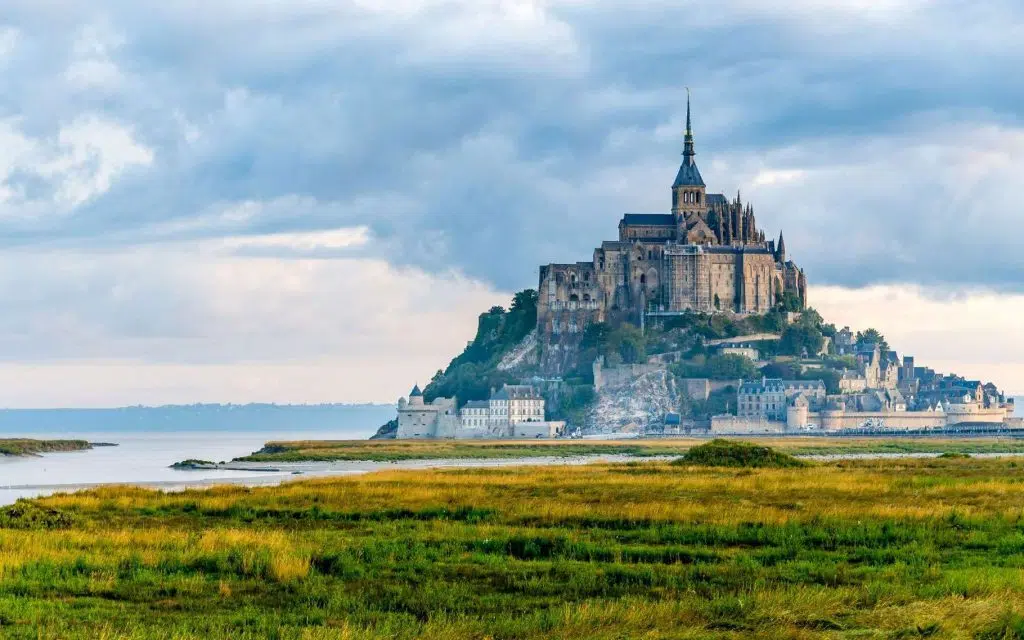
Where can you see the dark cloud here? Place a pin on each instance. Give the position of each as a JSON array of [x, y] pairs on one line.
[[492, 137]]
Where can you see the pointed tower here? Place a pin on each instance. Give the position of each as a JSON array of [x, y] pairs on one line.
[[416, 396], [780, 253], [688, 191]]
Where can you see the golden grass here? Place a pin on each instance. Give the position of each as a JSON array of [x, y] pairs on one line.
[[389, 555]]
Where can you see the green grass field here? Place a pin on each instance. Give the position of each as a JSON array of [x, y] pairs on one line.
[[865, 549], [393, 450]]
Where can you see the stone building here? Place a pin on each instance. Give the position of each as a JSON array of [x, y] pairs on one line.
[[514, 411], [706, 255], [417, 419], [768, 398]]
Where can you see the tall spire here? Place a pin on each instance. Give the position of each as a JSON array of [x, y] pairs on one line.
[[688, 151], [688, 176]]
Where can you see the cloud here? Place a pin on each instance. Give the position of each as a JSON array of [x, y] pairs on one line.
[[47, 176], [317, 140], [252, 328]]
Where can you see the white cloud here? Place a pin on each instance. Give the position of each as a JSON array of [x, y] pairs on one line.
[[331, 239], [769, 177], [8, 42], [92, 65], [196, 325], [91, 153], [79, 164]]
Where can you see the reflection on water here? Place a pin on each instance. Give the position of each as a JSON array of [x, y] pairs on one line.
[[138, 458]]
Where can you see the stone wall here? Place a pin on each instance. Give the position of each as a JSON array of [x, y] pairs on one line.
[[745, 426], [834, 420], [621, 375]]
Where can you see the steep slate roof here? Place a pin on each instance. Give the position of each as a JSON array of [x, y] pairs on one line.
[[689, 175], [477, 404], [776, 385], [650, 219], [415, 392], [516, 392], [716, 198]]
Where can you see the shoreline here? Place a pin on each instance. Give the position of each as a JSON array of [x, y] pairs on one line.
[[299, 471]]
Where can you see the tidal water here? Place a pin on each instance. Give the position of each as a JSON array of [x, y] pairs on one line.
[[140, 458]]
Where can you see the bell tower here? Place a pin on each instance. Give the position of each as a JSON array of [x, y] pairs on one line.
[[688, 191]]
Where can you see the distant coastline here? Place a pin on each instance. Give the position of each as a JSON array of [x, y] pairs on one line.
[[353, 420]]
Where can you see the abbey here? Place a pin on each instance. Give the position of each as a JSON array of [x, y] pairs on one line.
[[707, 255]]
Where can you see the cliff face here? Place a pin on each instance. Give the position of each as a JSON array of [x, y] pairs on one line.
[[634, 403]]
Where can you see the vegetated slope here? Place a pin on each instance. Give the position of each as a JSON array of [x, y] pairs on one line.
[[732, 453], [499, 354], [886, 549], [28, 447]]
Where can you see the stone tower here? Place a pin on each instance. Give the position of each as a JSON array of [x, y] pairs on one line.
[[688, 191]]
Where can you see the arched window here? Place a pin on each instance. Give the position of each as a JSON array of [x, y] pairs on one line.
[[586, 297], [698, 197], [574, 298], [643, 278]]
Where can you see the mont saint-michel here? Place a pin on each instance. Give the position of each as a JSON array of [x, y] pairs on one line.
[[706, 256], [691, 321]]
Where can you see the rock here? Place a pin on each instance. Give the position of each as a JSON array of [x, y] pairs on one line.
[[387, 431]]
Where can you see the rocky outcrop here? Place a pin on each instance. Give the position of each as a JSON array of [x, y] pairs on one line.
[[634, 403], [387, 431], [521, 356]]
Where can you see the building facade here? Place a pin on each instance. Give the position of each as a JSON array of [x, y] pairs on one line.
[[417, 419], [769, 398], [514, 411], [707, 255]]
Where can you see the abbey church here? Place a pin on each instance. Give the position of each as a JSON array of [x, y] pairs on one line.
[[707, 255]]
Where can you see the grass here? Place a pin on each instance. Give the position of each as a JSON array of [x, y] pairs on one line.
[[730, 453], [396, 450], [904, 548], [28, 447]]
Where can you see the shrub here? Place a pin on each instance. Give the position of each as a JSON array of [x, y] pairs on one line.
[[192, 463], [28, 515], [729, 453]]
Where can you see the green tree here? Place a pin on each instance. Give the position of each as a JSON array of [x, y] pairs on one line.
[[595, 336], [632, 345], [800, 338], [788, 301], [872, 336], [731, 367], [525, 300]]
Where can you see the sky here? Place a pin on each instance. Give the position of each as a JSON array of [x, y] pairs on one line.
[[311, 200]]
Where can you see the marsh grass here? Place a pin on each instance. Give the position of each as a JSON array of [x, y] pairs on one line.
[[893, 549], [28, 447], [395, 450]]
